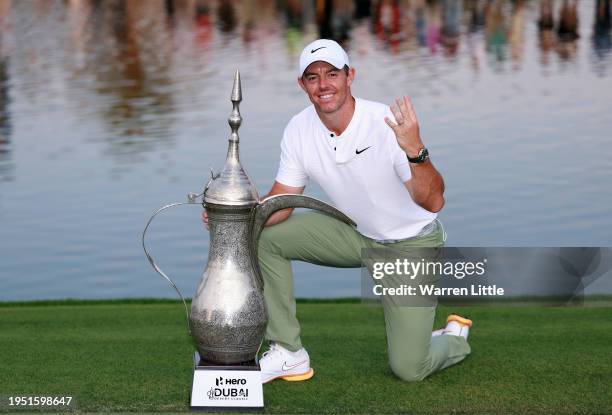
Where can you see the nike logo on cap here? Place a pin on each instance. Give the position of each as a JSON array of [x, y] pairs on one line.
[[314, 50], [285, 367], [361, 151]]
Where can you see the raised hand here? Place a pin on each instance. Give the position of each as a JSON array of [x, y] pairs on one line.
[[406, 126]]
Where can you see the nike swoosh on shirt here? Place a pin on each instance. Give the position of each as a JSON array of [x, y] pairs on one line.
[[314, 50], [361, 151], [285, 367]]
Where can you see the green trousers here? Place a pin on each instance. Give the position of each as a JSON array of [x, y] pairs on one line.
[[319, 239]]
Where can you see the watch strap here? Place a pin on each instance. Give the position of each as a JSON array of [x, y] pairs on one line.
[[420, 158]]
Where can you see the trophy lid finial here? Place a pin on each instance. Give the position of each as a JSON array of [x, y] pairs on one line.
[[237, 89], [232, 186], [235, 119]]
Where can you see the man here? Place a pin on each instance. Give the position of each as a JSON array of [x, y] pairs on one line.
[[371, 162]]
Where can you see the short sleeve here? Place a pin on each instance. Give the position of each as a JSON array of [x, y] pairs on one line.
[[291, 170], [401, 165]]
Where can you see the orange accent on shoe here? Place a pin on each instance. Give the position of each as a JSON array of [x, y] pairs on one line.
[[299, 377], [461, 320]]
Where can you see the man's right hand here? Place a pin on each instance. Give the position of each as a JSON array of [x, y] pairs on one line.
[[278, 189], [205, 219]]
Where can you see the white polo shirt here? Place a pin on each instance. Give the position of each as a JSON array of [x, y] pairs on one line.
[[362, 171]]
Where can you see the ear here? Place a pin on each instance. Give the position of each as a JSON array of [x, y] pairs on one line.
[[301, 84], [351, 76]]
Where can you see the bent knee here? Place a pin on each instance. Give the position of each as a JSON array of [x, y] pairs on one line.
[[409, 371]]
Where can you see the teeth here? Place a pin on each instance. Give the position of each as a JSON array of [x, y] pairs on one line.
[[326, 96]]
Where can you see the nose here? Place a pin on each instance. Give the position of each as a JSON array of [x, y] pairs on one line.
[[323, 82]]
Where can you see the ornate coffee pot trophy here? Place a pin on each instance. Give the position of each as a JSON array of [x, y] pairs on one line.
[[228, 315]]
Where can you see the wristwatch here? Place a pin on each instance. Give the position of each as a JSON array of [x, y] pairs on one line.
[[421, 158]]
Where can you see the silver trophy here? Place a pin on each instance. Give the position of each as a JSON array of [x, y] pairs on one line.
[[228, 315]]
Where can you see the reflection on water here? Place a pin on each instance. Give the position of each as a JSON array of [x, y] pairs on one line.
[[135, 77], [6, 166], [110, 108], [5, 123], [602, 41]]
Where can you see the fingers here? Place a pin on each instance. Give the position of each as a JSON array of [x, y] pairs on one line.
[[409, 108], [403, 110], [390, 123], [397, 114], [205, 219]]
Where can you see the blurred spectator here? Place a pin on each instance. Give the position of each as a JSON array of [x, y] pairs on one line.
[[477, 15], [601, 28], [203, 24], [568, 21], [567, 30], [451, 20], [226, 15], [546, 24], [433, 26], [324, 16], [387, 22], [546, 20], [516, 32], [496, 30]]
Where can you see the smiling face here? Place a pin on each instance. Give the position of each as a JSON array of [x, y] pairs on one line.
[[328, 88]]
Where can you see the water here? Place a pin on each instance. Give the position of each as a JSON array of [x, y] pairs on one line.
[[111, 109]]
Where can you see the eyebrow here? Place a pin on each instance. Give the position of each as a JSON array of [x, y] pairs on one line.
[[333, 69]]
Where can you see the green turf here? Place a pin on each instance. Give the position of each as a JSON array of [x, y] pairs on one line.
[[136, 356]]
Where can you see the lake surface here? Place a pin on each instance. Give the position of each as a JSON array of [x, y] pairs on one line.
[[109, 110]]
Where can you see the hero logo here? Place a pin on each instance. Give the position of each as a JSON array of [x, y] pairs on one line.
[[228, 389]]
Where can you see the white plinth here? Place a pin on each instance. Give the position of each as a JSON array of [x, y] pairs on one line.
[[226, 387]]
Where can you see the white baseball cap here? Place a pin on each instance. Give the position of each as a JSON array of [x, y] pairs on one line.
[[323, 50]]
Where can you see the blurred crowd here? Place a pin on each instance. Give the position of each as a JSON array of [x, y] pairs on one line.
[[398, 23], [127, 44]]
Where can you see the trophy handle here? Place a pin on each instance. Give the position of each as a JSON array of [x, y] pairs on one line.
[[272, 204], [191, 198]]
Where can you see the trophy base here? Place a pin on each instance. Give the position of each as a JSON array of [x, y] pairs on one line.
[[218, 388]]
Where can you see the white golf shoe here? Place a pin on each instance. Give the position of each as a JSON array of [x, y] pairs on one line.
[[455, 326], [279, 362]]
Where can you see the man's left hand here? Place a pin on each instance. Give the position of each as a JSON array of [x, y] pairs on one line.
[[405, 127]]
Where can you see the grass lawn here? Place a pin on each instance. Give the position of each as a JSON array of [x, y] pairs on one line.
[[136, 356]]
